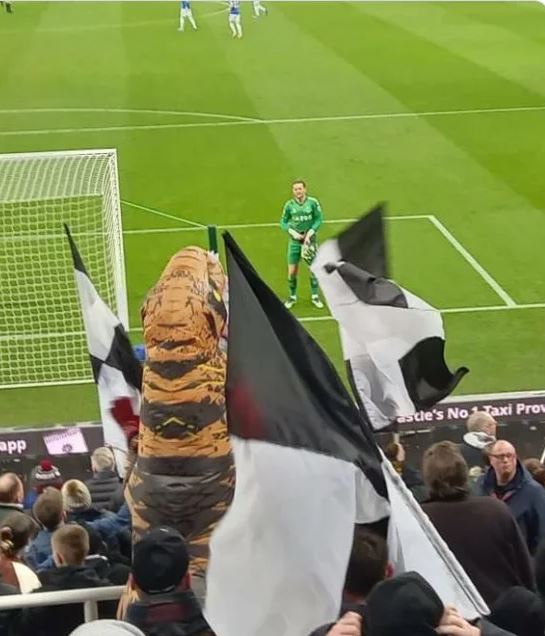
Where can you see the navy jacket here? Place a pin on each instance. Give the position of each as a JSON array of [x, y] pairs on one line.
[[39, 553], [526, 500]]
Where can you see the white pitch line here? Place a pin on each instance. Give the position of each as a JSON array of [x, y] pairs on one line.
[[126, 111], [451, 310], [271, 122], [164, 214], [242, 226], [492, 282], [113, 25], [195, 227]]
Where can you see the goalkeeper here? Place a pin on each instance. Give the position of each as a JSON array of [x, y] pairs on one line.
[[301, 218]]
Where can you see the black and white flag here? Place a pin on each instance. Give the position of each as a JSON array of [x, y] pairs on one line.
[[117, 372], [308, 468], [393, 342]]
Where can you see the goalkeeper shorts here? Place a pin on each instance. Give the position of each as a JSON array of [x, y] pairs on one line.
[[298, 251]]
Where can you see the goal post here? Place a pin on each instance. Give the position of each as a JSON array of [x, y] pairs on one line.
[[42, 339]]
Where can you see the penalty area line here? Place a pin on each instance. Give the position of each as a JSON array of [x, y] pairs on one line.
[[450, 310]]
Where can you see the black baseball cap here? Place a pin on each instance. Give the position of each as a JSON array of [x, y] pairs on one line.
[[160, 561]]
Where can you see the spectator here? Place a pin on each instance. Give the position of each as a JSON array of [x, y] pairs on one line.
[[79, 509], [166, 605], [102, 562], [43, 476], [367, 566], [7, 616], [509, 481], [481, 432], [412, 478], [107, 628], [520, 612], [48, 512], [16, 532], [405, 604], [11, 495], [495, 558], [70, 545], [536, 469], [105, 481]]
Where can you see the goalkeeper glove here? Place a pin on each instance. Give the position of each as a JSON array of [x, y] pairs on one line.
[[308, 253]]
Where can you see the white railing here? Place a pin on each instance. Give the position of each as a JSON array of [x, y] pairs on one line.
[[89, 597]]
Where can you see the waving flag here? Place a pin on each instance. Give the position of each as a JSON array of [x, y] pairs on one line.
[[117, 372], [308, 469], [393, 341]]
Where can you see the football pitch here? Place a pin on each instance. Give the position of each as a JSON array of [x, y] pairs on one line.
[[437, 108]]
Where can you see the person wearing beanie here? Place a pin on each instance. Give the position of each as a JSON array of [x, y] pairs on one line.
[[107, 628], [405, 604], [79, 509], [166, 605], [43, 476], [519, 611], [48, 512]]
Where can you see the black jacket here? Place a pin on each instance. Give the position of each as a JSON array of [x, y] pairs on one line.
[[60, 620], [174, 614], [473, 449], [484, 537], [7, 616], [103, 486]]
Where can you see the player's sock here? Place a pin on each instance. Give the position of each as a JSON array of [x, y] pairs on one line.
[[239, 30], [193, 23], [233, 29], [314, 287], [292, 285]]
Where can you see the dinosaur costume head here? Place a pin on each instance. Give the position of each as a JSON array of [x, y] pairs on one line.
[[184, 475], [184, 314]]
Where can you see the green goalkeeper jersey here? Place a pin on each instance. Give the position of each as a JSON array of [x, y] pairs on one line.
[[302, 217]]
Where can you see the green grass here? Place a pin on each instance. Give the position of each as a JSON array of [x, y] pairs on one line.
[[480, 173]]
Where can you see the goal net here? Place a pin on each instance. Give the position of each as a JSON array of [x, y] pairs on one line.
[[42, 340]]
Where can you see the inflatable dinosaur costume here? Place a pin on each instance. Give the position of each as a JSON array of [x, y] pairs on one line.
[[184, 475]]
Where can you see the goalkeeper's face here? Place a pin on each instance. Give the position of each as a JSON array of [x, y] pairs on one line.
[[299, 191]]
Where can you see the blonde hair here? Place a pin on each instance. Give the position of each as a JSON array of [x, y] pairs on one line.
[[71, 542], [103, 459]]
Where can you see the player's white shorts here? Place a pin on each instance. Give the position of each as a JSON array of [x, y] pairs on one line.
[[234, 18], [186, 13]]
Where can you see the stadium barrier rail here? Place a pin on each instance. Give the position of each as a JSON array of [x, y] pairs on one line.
[[88, 597]]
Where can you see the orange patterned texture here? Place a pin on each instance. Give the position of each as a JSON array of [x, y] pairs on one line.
[[184, 475]]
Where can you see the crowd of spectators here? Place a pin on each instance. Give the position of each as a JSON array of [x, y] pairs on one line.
[[487, 505]]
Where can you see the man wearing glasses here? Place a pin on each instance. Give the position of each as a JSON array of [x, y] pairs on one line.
[[509, 481]]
